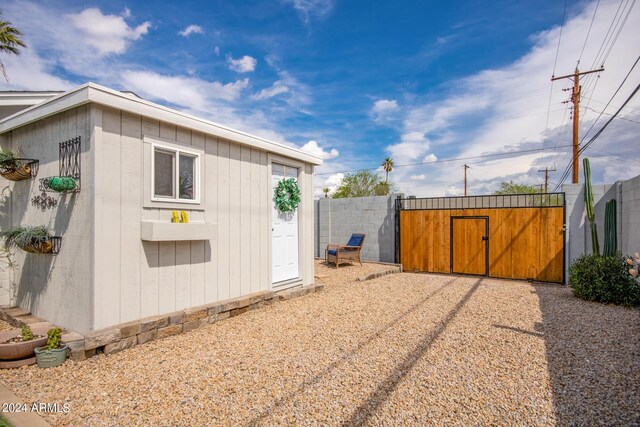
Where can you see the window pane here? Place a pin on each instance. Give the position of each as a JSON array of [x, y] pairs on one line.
[[187, 182], [163, 174]]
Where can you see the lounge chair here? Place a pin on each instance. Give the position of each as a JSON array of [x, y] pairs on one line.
[[345, 253]]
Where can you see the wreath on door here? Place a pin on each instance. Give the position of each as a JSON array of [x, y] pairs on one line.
[[287, 195]]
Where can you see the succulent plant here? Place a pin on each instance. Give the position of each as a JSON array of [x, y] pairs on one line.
[[588, 200], [634, 263], [27, 334], [54, 335], [610, 231]]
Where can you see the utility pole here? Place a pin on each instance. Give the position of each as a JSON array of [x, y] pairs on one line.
[[575, 99], [465, 178], [546, 177]]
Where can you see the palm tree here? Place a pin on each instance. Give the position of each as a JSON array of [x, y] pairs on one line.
[[9, 42], [326, 192], [387, 165]]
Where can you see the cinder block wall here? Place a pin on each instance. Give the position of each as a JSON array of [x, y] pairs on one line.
[[337, 219], [578, 236], [629, 214]]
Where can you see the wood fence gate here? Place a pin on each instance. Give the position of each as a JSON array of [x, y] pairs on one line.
[[518, 236]]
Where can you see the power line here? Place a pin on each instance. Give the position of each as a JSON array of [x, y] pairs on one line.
[[609, 114], [585, 146], [589, 31], [457, 159]]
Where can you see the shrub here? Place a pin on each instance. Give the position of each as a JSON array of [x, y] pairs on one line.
[[24, 236], [634, 263], [603, 279]]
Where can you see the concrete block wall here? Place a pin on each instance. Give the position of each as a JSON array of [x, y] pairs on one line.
[[337, 219], [629, 214], [578, 236]]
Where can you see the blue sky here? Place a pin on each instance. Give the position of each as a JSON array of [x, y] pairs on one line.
[[359, 81]]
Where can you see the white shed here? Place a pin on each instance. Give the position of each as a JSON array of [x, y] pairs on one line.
[[121, 258]]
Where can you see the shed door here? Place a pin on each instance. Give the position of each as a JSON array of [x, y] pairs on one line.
[[284, 231], [469, 245]]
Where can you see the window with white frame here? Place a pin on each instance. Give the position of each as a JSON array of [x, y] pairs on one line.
[[175, 174]]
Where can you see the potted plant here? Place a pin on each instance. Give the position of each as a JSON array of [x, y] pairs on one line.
[[19, 344], [54, 353], [15, 168], [31, 239]]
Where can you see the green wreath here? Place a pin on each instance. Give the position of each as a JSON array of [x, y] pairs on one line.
[[287, 195]]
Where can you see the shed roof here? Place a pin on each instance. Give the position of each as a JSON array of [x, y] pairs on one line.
[[94, 93]]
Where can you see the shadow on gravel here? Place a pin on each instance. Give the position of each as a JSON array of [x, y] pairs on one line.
[[593, 359], [362, 414], [347, 356]]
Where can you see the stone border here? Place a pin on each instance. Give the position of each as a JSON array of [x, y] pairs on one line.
[[126, 335], [396, 269]]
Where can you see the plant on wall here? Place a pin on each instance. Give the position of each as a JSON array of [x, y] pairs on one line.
[[31, 239], [15, 168], [287, 195]]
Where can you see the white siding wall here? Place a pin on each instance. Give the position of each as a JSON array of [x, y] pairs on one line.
[[137, 279], [54, 287]]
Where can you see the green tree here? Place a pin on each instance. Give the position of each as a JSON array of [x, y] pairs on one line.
[[326, 192], [363, 183], [387, 165], [10, 41], [513, 188]]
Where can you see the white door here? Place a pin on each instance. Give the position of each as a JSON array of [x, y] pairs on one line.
[[285, 230]]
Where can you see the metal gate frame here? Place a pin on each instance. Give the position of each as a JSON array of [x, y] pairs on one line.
[[507, 201]]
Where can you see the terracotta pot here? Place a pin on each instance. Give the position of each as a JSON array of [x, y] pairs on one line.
[[18, 350]]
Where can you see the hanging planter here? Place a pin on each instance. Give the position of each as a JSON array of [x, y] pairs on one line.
[[59, 184], [17, 169], [35, 240], [287, 195]]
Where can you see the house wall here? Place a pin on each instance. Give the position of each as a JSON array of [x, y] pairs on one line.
[[135, 278], [337, 219], [54, 287]]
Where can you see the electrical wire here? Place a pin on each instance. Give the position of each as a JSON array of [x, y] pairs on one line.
[[457, 159], [589, 31]]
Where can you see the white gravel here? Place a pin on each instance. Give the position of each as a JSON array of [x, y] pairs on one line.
[[400, 349]]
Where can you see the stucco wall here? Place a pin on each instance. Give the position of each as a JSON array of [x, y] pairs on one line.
[[337, 219], [54, 287], [136, 278]]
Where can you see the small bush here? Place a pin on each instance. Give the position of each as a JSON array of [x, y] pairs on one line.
[[53, 338], [603, 279]]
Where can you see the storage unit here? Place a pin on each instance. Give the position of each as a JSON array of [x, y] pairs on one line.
[[121, 257]]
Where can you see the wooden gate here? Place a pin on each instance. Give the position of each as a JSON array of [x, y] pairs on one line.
[[510, 236]]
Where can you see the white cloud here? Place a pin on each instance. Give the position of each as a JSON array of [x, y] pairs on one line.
[[384, 109], [484, 113], [126, 13], [277, 88], [246, 64], [430, 158], [194, 93], [313, 148], [191, 29], [107, 33], [419, 177], [308, 9], [216, 50]]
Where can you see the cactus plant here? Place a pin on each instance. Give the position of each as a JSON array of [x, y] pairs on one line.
[[610, 230], [588, 199], [54, 335], [27, 334]]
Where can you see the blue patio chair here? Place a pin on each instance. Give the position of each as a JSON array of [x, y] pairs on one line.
[[345, 253]]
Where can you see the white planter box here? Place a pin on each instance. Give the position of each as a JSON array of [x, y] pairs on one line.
[[159, 231]]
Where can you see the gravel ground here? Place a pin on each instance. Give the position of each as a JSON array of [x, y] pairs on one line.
[[400, 349], [4, 326]]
